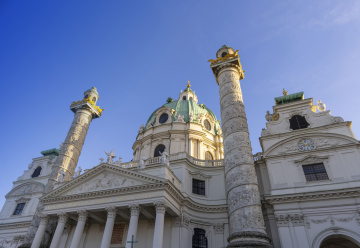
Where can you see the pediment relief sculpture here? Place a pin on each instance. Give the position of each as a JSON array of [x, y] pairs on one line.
[[106, 180]]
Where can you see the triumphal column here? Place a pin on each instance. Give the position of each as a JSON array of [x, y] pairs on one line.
[[246, 220], [85, 111]]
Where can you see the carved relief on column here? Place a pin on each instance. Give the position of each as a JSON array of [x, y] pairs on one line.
[[62, 217], [111, 212], [246, 222], [160, 207], [135, 209], [82, 215]]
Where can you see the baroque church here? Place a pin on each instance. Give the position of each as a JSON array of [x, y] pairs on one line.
[[194, 182]]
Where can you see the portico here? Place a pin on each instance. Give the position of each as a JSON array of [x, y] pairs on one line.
[[108, 205]]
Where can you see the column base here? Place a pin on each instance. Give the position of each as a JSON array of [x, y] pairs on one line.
[[249, 240]]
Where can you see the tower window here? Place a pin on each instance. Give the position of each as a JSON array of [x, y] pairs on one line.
[[207, 125], [199, 239], [86, 96], [198, 187], [36, 172], [94, 99], [19, 208], [223, 54], [298, 122], [315, 172], [163, 118], [184, 97], [158, 149]]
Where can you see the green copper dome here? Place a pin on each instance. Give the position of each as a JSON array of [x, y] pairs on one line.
[[185, 108]]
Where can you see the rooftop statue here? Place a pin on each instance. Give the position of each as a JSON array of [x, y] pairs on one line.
[[285, 93], [78, 172], [110, 157], [142, 162], [61, 177], [321, 106], [164, 157]]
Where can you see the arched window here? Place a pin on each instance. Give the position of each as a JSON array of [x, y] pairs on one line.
[[158, 149], [199, 240], [338, 241], [223, 54], [208, 156], [36, 172], [184, 97], [298, 122], [94, 99]]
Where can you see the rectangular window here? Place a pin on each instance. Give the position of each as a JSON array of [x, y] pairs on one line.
[[315, 172], [198, 187], [19, 208]]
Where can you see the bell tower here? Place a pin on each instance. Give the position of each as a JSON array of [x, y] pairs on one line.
[[85, 111], [246, 222]]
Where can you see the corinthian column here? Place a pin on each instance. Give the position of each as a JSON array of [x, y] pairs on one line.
[[85, 110], [245, 216], [159, 225], [106, 240], [79, 229], [59, 230], [134, 219], [44, 219]]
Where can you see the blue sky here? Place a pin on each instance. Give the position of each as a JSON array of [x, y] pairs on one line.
[[138, 53]]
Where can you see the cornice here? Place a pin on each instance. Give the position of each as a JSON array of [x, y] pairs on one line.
[[106, 193], [188, 202], [312, 196], [14, 225]]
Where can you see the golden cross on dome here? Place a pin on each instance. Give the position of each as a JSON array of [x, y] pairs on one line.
[[188, 85]]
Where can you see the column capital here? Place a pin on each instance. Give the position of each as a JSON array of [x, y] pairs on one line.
[[160, 207], [82, 215], [44, 219], [62, 217], [135, 209], [111, 212]]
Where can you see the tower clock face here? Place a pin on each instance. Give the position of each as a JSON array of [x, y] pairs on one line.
[[306, 145]]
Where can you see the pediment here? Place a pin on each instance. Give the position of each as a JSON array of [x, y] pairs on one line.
[[26, 189], [104, 177], [321, 141]]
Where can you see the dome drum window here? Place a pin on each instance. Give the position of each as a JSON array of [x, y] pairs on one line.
[[159, 149]]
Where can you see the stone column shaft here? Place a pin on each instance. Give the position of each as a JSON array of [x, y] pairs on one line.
[[246, 221], [79, 229], [159, 225], [106, 240], [134, 219], [59, 230], [40, 232]]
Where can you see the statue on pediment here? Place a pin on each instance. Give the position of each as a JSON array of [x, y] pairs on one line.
[[78, 172], [61, 177], [142, 163], [110, 157]]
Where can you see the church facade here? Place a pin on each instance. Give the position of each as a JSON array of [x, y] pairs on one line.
[[193, 183]]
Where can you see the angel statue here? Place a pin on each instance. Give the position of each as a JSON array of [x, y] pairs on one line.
[[110, 157], [142, 163], [61, 177], [321, 106], [119, 161], [285, 93], [78, 172], [164, 157]]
